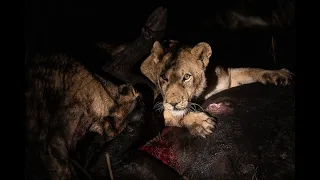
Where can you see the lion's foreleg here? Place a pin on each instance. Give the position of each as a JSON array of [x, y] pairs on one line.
[[241, 76], [198, 123]]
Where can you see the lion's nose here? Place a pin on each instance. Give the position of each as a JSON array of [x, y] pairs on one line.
[[173, 104]]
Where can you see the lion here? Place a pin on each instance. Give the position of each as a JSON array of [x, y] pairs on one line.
[[183, 74], [64, 101]]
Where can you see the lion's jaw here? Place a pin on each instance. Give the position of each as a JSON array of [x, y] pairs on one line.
[[179, 111]]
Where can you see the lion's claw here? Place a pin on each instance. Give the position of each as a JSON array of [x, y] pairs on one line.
[[203, 127]]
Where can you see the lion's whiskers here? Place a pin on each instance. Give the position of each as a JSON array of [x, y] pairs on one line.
[[158, 106], [191, 109], [195, 107]]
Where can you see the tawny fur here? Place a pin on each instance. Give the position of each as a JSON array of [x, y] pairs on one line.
[[186, 73], [64, 101]]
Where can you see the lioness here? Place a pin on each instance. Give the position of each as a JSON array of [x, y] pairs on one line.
[[64, 101], [183, 73]]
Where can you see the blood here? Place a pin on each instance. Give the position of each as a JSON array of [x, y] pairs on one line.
[[162, 149], [219, 108]]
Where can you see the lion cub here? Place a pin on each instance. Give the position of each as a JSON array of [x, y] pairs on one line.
[[180, 75]]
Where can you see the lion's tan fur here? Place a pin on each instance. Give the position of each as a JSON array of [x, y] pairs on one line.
[[64, 101], [168, 72]]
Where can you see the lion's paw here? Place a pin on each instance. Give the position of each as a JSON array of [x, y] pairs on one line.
[[282, 77], [203, 126]]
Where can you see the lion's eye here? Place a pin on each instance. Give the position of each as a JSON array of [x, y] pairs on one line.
[[186, 77], [164, 77]]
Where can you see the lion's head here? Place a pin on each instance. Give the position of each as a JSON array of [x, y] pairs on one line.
[[178, 73]]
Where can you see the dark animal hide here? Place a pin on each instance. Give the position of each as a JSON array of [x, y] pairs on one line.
[[254, 138], [126, 160]]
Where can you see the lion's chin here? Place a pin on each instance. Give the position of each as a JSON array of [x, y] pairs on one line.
[[178, 113]]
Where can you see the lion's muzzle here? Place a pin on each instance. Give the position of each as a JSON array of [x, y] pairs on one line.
[[175, 98]]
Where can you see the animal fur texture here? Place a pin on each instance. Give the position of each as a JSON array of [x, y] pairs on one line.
[[182, 74], [64, 101]]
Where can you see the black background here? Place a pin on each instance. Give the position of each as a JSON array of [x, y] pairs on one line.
[[64, 23]]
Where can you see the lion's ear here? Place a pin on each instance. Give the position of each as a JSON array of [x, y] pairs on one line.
[[150, 66], [202, 51], [157, 51]]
